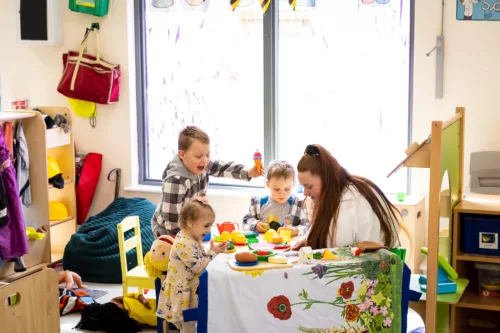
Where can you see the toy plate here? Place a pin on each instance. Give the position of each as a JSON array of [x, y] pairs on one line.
[[262, 246], [264, 257], [246, 263], [251, 234], [281, 246]]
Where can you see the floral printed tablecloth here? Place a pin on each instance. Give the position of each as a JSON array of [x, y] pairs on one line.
[[353, 294]]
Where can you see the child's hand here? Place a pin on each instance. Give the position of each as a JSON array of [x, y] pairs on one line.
[[262, 227], [219, 248], [252, 173]]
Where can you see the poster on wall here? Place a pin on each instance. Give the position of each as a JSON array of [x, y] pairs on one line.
[[478, 10]]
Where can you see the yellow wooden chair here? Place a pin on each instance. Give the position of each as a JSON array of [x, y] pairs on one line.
[[137, 276]]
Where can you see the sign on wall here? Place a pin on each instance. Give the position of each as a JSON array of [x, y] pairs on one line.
[[478, 10]]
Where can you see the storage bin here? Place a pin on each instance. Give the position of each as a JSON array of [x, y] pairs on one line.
[[488, 279], [480, 234], [93, 7]]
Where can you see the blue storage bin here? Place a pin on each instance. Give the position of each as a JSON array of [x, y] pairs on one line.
[[480, 234]]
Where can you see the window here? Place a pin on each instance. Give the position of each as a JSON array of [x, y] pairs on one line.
[[331, 72]]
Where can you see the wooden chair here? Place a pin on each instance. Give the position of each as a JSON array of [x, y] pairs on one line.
[[137, 276]]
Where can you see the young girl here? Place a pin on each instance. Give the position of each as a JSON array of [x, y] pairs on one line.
[[187, 261]]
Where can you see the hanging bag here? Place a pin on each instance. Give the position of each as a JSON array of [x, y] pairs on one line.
[[89, 78]]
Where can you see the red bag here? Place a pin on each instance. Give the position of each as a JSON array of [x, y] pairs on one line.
[[86, 186], [89, 78]]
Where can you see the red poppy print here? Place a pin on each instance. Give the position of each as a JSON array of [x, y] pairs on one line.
[[280, 307]]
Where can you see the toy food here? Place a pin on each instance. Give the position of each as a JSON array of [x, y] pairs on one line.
[[262, 253], [225, 235], [329, 255], [269, 235], [246, 257], [235, 234], [239, 239], [218, 239], [277, 260], [277, 239], [257, 159], [317, 255]]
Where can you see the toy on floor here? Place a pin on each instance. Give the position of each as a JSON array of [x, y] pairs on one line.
[[138, 307], [107, 317], [156, 260], [446, 275], [69, 278]]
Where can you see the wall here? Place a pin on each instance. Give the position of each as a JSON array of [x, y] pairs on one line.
[[470, 80], [33, 72]]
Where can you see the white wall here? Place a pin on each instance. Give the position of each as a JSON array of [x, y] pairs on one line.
[[471, 73]]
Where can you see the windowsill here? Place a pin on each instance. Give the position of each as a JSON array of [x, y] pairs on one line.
[[216, 190]]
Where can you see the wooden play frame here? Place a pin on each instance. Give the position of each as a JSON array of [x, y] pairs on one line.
[[441, 152]]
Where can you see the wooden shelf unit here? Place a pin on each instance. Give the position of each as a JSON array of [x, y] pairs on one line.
[[471, 302], [60, 146]]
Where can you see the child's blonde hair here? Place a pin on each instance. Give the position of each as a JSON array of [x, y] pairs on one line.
[[189, 134], [280, 169], [193, 211]]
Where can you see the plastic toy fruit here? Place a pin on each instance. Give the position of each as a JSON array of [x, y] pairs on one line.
[[262, 253], [329, 255], [269, 235], [239, 239], [277, 239], [225, 236]]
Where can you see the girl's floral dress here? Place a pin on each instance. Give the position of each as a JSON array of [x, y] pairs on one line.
[[187, 261]]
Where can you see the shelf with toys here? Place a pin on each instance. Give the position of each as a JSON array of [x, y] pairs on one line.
[[61, 185]]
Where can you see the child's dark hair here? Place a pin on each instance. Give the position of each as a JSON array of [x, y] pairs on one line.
[[189, 134], [278, 169], [193, 211]]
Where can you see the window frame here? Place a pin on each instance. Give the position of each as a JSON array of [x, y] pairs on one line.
[[270, 86]]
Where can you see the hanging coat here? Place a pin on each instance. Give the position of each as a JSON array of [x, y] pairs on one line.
[[22, 166], [13, 240]]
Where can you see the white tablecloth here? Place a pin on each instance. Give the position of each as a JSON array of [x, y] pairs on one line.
[[297, 300]]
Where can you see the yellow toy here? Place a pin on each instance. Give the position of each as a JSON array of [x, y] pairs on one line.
[[156, 260]]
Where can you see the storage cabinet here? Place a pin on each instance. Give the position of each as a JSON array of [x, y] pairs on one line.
[[412, 209], [472, 305]]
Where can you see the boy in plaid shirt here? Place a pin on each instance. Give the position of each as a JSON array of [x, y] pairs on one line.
[[186, 178], [281, 204]]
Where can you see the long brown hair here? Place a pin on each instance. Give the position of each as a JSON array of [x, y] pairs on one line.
[[334, 181]]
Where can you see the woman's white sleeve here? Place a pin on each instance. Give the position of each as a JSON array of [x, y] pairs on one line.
[[368, 224]]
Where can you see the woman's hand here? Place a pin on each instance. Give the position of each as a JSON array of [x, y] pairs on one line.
[[219, 248], [262, 227], [252, 173], [299, 244]]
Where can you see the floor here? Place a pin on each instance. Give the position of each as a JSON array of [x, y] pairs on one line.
[[69, 321]]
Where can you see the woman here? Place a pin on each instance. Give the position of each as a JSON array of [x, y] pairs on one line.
[[347, 209]]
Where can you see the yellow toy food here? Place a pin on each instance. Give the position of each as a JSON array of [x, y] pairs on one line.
[[236, 232], [225, 236], [329, 255], [240, 239], [277, 239], [156, 260], [269, 235]]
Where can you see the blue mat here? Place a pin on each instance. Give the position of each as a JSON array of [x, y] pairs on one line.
[[93, 251]]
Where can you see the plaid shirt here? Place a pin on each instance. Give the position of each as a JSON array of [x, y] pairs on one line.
[[298, 213], [180, 187]]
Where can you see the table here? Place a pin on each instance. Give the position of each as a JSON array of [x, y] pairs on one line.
[[355, 293]]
